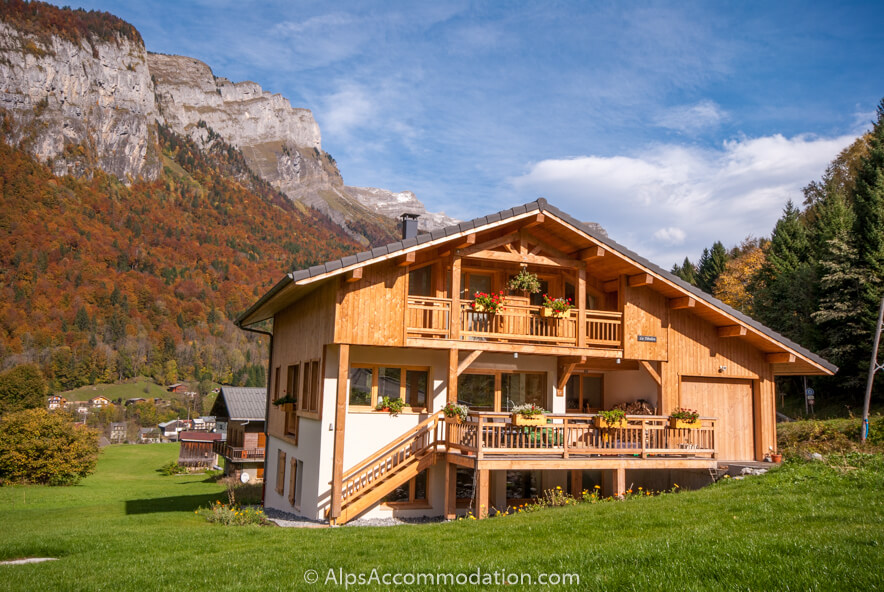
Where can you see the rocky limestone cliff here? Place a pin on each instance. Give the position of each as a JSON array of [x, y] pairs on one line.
[[80, 105], [394, 205]]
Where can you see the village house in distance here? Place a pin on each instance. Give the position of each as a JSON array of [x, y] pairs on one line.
[[400, 322]]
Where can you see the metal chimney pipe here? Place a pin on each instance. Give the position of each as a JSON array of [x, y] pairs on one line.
[[409, 225]]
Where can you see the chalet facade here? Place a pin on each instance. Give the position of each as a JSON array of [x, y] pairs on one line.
[[56, 402], [99, 401], [242, 412], [399, 322]]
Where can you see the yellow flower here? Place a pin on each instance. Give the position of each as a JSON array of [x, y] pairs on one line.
[[598, 487]]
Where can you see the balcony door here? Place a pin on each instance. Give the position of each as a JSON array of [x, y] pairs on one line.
[[501, 391], [476, 281]]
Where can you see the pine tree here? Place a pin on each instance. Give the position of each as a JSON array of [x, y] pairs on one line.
[[686, 271], [712, 265]]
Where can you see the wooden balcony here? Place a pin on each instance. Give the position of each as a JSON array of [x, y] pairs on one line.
[[430, 318], [237, 454], [571, 436]]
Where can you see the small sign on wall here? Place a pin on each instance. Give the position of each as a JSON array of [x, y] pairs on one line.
[[647, 338]]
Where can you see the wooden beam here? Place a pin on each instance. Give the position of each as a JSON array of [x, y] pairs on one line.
[[538, 219], [527, 259], [340, 419], [641, 279], [544, 246], [649, 368], [450, 491], [566, 368], [732, 331], [490, 244], [465, 363], [468, 241], [591, 253], [683, 302], [482, 482], [611, 286], [454, 314], [581, 307], [452, 375], [780, 358], [355, 275], [407, 259]]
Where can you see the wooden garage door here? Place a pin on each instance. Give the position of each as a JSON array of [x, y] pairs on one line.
[[731, 402]]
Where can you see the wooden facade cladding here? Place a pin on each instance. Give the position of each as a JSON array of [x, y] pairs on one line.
[[645, 323], [300, 334], [371, 311]]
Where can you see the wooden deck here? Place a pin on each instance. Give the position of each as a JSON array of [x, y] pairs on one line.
[[430, 318], [572, 441]]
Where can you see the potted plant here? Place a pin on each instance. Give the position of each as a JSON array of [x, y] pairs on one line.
[[683, 418], [528, 414], [524, 282], [286, 402], [455, 412], [615, 418], [392, 406], [555, 307], [490, 303]]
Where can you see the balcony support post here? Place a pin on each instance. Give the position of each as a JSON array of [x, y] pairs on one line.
[[454, 316], [581, 307]]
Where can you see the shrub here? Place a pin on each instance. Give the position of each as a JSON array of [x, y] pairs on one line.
[[46, 448], [229, 515], [173, 468]]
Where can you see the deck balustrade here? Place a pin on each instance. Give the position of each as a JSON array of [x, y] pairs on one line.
[[235, 453]]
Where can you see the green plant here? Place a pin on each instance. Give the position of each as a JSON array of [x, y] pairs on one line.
[[524, 281], [557, 304], [492, 303], [685, 414], [456, 410], [613, 416], [285, 400], [173, 468], [232, 515], [528, 410], [394, 406]]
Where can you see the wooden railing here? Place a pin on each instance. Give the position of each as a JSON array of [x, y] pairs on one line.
[[576, 434], [429, 318], [373, 477], [235, 453]]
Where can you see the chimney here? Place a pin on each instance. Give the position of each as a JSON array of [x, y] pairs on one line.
[[409, 225]]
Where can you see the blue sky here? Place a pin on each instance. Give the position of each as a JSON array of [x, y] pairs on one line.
[[671, 124]]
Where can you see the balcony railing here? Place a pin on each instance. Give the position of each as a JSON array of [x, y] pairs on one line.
[[234, 453], [429, 318], [572, 435]]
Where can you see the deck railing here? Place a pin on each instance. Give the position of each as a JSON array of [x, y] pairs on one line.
[[235, 453], [491, 434], [429, 318]]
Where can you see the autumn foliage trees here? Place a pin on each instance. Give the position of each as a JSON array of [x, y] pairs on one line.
[[100, 281]]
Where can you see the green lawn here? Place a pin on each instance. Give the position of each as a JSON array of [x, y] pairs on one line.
[[138, 387], [801, 527]]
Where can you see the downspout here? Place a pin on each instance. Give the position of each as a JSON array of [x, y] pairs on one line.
[[266, 405]]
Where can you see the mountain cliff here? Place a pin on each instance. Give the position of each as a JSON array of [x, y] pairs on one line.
[[85, 94]]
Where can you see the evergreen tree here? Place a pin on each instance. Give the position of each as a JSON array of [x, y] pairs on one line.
[[712, 265], [686, 271]]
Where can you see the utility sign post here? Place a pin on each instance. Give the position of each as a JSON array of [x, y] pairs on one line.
[[873, 367]]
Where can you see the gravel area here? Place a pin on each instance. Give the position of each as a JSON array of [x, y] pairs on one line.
[[287, 520]]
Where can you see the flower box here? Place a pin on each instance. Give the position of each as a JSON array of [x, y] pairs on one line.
[[602, 423], [528, 420], [683, 424], [479, 307], [551, 312], [287, 407], [455, 420]]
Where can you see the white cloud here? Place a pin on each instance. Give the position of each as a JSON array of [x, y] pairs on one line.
[[347, 109], [671, 201], [670, 235], [691, 119]]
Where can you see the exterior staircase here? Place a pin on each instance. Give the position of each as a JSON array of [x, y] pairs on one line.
[[366, 483]]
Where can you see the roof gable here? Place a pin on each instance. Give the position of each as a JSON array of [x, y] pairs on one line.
[[241, 403]]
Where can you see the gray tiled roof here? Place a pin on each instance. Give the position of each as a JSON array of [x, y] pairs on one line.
[[245, 403], [540, 205]]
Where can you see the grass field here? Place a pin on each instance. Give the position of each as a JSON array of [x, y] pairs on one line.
[[138, 387], [804, 526]]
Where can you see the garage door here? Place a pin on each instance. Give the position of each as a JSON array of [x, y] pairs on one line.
[[731, 402]]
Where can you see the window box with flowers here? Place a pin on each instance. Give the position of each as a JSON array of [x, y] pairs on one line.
[[555, 307], [490, 303], [286, 403], [684, 419], [615, 418], [529, 415], [391, 406], [455, 413]]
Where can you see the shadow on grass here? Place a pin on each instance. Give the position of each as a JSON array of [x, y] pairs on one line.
[[178, 503]]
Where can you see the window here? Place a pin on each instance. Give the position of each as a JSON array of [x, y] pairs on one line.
[[420, 281], [501, 391], [592, 300], [311, 390], [473, 281], [369, 384], [293, 481], [276, 383], [464, 484], [293, 381], [280, 472], [414, 491], [584, 393], [522, 485]]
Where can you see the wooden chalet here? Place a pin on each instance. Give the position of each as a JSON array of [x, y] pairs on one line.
[[243, 411], [56, 402], [197, 449], [398, 321]]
